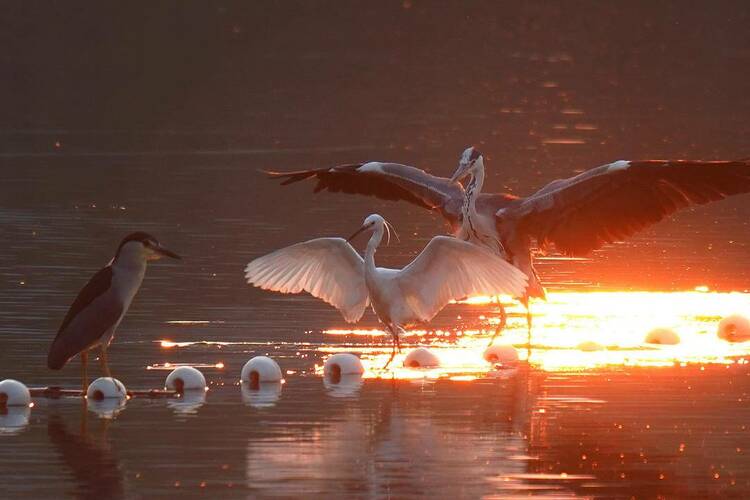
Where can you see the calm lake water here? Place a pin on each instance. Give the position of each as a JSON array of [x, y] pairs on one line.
[[176, 151]]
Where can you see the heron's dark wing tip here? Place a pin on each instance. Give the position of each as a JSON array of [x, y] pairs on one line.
[[293, 176]]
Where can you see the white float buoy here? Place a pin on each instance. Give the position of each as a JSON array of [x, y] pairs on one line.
[[14, 419], [663, 336], [262, 395], [189, 402], [343, 363], [14, 393], [107, 408], [106, 388], [503, 354], [185, 378], [421, 357], [261, 369], [734, 328], [590, 346], [344, 386]]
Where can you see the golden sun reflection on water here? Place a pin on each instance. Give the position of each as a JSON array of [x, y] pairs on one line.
[[572, 331]]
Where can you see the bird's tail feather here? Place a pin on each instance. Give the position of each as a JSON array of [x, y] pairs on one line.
[[62, 350], [56, 358]]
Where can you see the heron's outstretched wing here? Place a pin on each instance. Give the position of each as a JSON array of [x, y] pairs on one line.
[[452, 269], [389, 181], [93, 313], [612, 202], [326, 268]]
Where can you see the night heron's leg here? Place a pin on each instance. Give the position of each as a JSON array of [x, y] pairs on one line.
[[395, 343], [103, 361], [503, 321], [84, 375]]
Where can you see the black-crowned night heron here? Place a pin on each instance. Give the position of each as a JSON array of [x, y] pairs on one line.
[[101, 304]]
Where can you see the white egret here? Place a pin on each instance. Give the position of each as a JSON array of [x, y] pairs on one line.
[[330, 269]]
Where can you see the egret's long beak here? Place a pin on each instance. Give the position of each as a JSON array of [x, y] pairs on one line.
[[166, 252], [461, 172], [357, 233]]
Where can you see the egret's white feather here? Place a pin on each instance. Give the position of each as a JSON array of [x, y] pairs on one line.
[[451, 269], [327, 268]]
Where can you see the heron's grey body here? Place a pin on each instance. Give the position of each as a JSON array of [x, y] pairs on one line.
[[576, 215], [92, 320]]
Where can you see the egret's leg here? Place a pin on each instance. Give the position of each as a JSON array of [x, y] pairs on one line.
[[399, 331], [395, 343], [103, 361], [503, 321], [84, 375]]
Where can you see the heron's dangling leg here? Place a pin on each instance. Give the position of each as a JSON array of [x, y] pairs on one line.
[[84, 375], [528, 319], [396, 344], [103, 361], [503, 321], [526, 301]]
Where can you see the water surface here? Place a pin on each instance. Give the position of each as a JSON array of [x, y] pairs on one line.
[[123, 131]]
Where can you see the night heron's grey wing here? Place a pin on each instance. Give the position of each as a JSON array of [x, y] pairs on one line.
[[614, 201], [388, 181], [94, 311]]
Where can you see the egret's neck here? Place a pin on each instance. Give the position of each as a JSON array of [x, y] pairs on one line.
[[372, 246]]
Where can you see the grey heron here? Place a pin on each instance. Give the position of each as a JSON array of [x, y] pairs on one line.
[[575, 215], [330, 269], [100, 306]]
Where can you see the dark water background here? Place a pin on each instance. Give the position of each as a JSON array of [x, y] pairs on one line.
[[157, 117]]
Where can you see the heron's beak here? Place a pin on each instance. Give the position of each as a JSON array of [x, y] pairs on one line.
[[161, 251], [461, 172], [357, 233]]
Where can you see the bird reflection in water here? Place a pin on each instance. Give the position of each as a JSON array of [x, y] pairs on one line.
[[93, 463], [402, 436]]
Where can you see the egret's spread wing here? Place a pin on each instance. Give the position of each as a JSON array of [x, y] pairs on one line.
[[93, 312], [612, 202], [327, 268], [451, 269], [389, 181]]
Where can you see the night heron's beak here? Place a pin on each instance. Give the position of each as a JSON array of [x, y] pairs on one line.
[[357, 232], [160, 250]]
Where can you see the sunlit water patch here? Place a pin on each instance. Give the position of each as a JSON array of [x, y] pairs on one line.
[[571, 331]]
